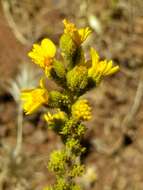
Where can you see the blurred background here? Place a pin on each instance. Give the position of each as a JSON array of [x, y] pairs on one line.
[[114, 139]]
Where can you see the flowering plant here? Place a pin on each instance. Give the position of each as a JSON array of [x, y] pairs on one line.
[[75, 75]]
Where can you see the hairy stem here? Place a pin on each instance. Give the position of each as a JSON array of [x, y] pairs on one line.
[[18, 147]]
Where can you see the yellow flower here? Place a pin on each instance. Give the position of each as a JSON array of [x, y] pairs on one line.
[[81, 110], [43, 54], [78, 35], [33, 98], [50, 118], [100, 69]]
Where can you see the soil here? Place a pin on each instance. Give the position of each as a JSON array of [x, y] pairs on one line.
[[114, 138]]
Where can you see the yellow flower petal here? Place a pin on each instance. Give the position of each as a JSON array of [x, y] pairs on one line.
[[33, 98], [84, 33], [113, 70], [108, 67], [43, 82], [43, 54], [78, 35], [69, 26], [94, 57], [95, 63], [48, 47], [100, 69]]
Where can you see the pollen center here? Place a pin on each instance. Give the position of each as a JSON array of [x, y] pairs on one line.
[[48, 61]]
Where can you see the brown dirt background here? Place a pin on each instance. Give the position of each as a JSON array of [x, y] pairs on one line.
[[115, 145]]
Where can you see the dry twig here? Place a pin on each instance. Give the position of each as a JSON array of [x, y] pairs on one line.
[[129, 118], [11, 22]]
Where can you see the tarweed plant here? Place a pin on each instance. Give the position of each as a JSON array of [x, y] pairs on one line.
[[75, 75]]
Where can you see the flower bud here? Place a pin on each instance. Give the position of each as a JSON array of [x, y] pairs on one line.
[[77, 78], [81, 110]]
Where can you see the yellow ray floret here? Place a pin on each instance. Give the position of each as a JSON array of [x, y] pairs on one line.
[[78, 35], [100, 69], [43, 54], [33, 98]]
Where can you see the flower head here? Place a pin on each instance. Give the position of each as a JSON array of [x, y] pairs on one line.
[[43, 54], [77, 78], [81, 110], [100, 69], [33, 99], [78, 35], [59, 116]]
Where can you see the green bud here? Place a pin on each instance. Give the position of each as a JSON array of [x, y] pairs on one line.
[[59, 69], [75, 187], [57, 161], [56, 121], [48, 188], [61, 184], [77, 170], [79, 58], [57, 99], [77, 78], [72, 144], [80, 130], [68, 127], [68, 48]]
